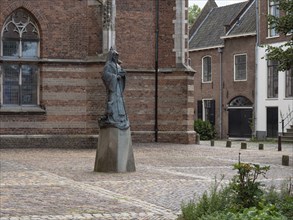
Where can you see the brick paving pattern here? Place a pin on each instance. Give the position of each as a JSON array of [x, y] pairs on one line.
[[60, 183]]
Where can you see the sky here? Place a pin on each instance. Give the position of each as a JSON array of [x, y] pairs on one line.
[[201, 3]]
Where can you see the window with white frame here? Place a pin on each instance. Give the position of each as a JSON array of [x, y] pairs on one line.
[[272, 79], [20, 52], [289, 83], [273, 10], [206, 110], [207, 69], [240, 67]]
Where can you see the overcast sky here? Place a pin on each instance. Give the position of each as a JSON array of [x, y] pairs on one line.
[[201, 3]]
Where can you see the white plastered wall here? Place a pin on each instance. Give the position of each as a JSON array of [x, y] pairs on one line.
[[285, 105]]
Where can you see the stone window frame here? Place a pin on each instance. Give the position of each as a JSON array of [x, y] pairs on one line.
[[26, 26], [206, 73], [236, 73]]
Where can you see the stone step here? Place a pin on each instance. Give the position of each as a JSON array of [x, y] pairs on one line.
[[288, 135], [287, 139]]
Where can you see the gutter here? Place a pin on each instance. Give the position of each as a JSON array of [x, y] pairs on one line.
[[239, 35], [206, 48]]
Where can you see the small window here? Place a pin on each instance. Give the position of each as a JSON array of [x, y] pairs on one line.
[[240, 67], [20, 40], [272, 80], [289, 83], [240, 101], [273, 11], [207, 69]]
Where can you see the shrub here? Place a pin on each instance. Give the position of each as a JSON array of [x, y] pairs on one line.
[[246, 189], [205, 129], [243, 198], [217, 199], [283, 199], [268, 212]]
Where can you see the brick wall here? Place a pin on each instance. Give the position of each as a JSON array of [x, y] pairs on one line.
[[72, 91], [206, 90], [135, 33], [263, 26], [231, 89], [69, 28]]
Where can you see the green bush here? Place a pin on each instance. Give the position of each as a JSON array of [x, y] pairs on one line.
[[243, 198], [247, 190], [205, 129], [268, 212], [282, 199], [219, 198]]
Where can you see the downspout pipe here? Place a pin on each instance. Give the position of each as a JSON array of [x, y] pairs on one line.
[[156, 70], [220, 50], [256, 69]]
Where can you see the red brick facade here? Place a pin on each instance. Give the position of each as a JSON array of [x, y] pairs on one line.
[[263, 26], [71, 62], [231, 88]]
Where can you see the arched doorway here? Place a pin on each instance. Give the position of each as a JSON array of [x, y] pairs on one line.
[[240, 117]]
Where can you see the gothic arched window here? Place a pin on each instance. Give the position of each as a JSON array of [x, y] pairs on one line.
[[19, 52]]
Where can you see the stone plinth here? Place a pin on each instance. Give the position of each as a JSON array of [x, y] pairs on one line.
[[114, 152]]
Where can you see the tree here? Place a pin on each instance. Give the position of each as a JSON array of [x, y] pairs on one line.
[[284, 25], [193, 12]]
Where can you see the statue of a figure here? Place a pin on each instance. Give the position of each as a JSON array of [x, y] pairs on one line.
[[114, 80], [114, 151]]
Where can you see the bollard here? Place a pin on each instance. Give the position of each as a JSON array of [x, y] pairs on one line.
[[197, 138], [243, 145], [228, 144], [285, 160], [279, 143], [260, 146], [212, 143]]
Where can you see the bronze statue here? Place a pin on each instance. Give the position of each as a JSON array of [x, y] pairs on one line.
[[114, 78], [114, 151]]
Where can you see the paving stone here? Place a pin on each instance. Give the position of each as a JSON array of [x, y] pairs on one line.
[[60, 184]]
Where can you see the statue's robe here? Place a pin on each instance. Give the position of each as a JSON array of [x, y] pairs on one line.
[[114, 80]]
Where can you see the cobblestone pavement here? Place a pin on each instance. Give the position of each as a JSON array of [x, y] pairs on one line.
[[60, 183]]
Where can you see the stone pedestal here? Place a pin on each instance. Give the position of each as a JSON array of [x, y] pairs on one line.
[[114, 152]]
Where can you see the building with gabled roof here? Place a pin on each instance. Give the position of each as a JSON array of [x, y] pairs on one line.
[[222, 52]]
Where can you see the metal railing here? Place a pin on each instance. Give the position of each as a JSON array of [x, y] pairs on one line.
[[290, 118]]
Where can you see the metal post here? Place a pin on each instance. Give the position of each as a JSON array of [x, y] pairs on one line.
[[279, 143]]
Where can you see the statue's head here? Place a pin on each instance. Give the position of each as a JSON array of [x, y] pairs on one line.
[[113, 55]]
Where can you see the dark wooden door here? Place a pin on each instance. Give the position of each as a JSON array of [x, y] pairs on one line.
[[272, 122], [239, 123]]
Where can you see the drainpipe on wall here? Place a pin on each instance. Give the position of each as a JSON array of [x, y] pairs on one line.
[[156, 70], [256, 68], [220, 51]]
